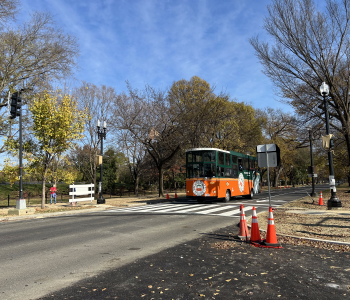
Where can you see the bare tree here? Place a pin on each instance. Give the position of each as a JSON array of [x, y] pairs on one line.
[[136, 154], [35, 50], [147, 117], [97, 101], [283, 129], [310, 47], [8, 9], [31, 55]]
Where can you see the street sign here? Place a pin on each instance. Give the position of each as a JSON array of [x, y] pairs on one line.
[[268, 155], [267, 147], [272, 159]]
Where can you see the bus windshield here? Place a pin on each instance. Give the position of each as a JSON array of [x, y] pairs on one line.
[[201, 164]]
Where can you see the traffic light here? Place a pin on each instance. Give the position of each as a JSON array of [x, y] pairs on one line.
[[16, 103]]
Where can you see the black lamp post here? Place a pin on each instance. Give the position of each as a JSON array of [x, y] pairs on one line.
[[333, 202], [313, 193], [101, 135]]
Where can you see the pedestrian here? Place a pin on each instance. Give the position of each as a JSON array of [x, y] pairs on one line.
[[53, 190]]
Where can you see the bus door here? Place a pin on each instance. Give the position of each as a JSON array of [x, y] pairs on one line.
[[242, 186]]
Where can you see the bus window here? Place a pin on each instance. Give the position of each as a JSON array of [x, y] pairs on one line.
[[197, 157], [198, 170], [234, 159], [189, 157], [209, 170], [209, 156], [189, 171], [220, 171], [228, 158], [228, 172], [234, 171], [245, 164], [221, 158], [240, 164]]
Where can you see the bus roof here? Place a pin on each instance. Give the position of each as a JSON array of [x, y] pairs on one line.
[[206, 149], [216, 149]]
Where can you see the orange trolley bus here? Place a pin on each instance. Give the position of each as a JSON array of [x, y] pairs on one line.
[[214, 173]]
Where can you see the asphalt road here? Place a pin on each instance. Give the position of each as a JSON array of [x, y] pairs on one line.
[[40, 256], [199, 270]]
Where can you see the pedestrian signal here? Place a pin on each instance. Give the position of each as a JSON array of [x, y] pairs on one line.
[[99, 160], [327, 141]]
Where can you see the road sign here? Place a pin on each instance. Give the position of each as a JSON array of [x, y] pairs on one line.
[[268, 155], [267, 147]]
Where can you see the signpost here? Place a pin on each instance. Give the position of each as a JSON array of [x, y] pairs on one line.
[[268, 156]]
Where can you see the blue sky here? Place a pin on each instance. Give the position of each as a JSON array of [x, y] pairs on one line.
[[157, 42]]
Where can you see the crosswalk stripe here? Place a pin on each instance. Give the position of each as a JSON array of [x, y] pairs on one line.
[[222, 207], [179, 207], [204, 209], [154, 207], [193, 208], [233, 212]]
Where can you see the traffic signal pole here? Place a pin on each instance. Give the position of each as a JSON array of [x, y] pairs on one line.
[[20, 158], [16, 111]]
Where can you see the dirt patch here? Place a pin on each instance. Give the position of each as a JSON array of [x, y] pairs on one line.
[[312, 202], [39, 210], [325, 226]]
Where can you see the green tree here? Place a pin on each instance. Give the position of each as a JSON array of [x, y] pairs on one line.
[[113, 161], [210, 120], [57, 125]]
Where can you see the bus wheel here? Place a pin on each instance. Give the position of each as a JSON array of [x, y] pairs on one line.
[[228, 196], [251, 195]]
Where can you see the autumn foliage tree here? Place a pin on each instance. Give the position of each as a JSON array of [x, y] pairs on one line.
[[57, 125]]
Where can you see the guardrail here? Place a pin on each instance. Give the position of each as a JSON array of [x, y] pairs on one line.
[[81, 190]]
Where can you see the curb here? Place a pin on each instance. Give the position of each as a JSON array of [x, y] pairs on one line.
[[53, 214], [76, 211]]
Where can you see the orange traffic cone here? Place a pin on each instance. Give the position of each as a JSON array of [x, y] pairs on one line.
[[175, 195], [167, 195], [271, 238], [320, 200], [254, 231], [243, 228]]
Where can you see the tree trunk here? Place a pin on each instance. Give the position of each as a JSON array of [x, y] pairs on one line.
[[161, 190], [136, 184], [277, 175], [43, 192], [347, 139]]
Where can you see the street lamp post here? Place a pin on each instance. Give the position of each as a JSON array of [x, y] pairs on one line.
[[313, 193], [101, 135], [333, 202]]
